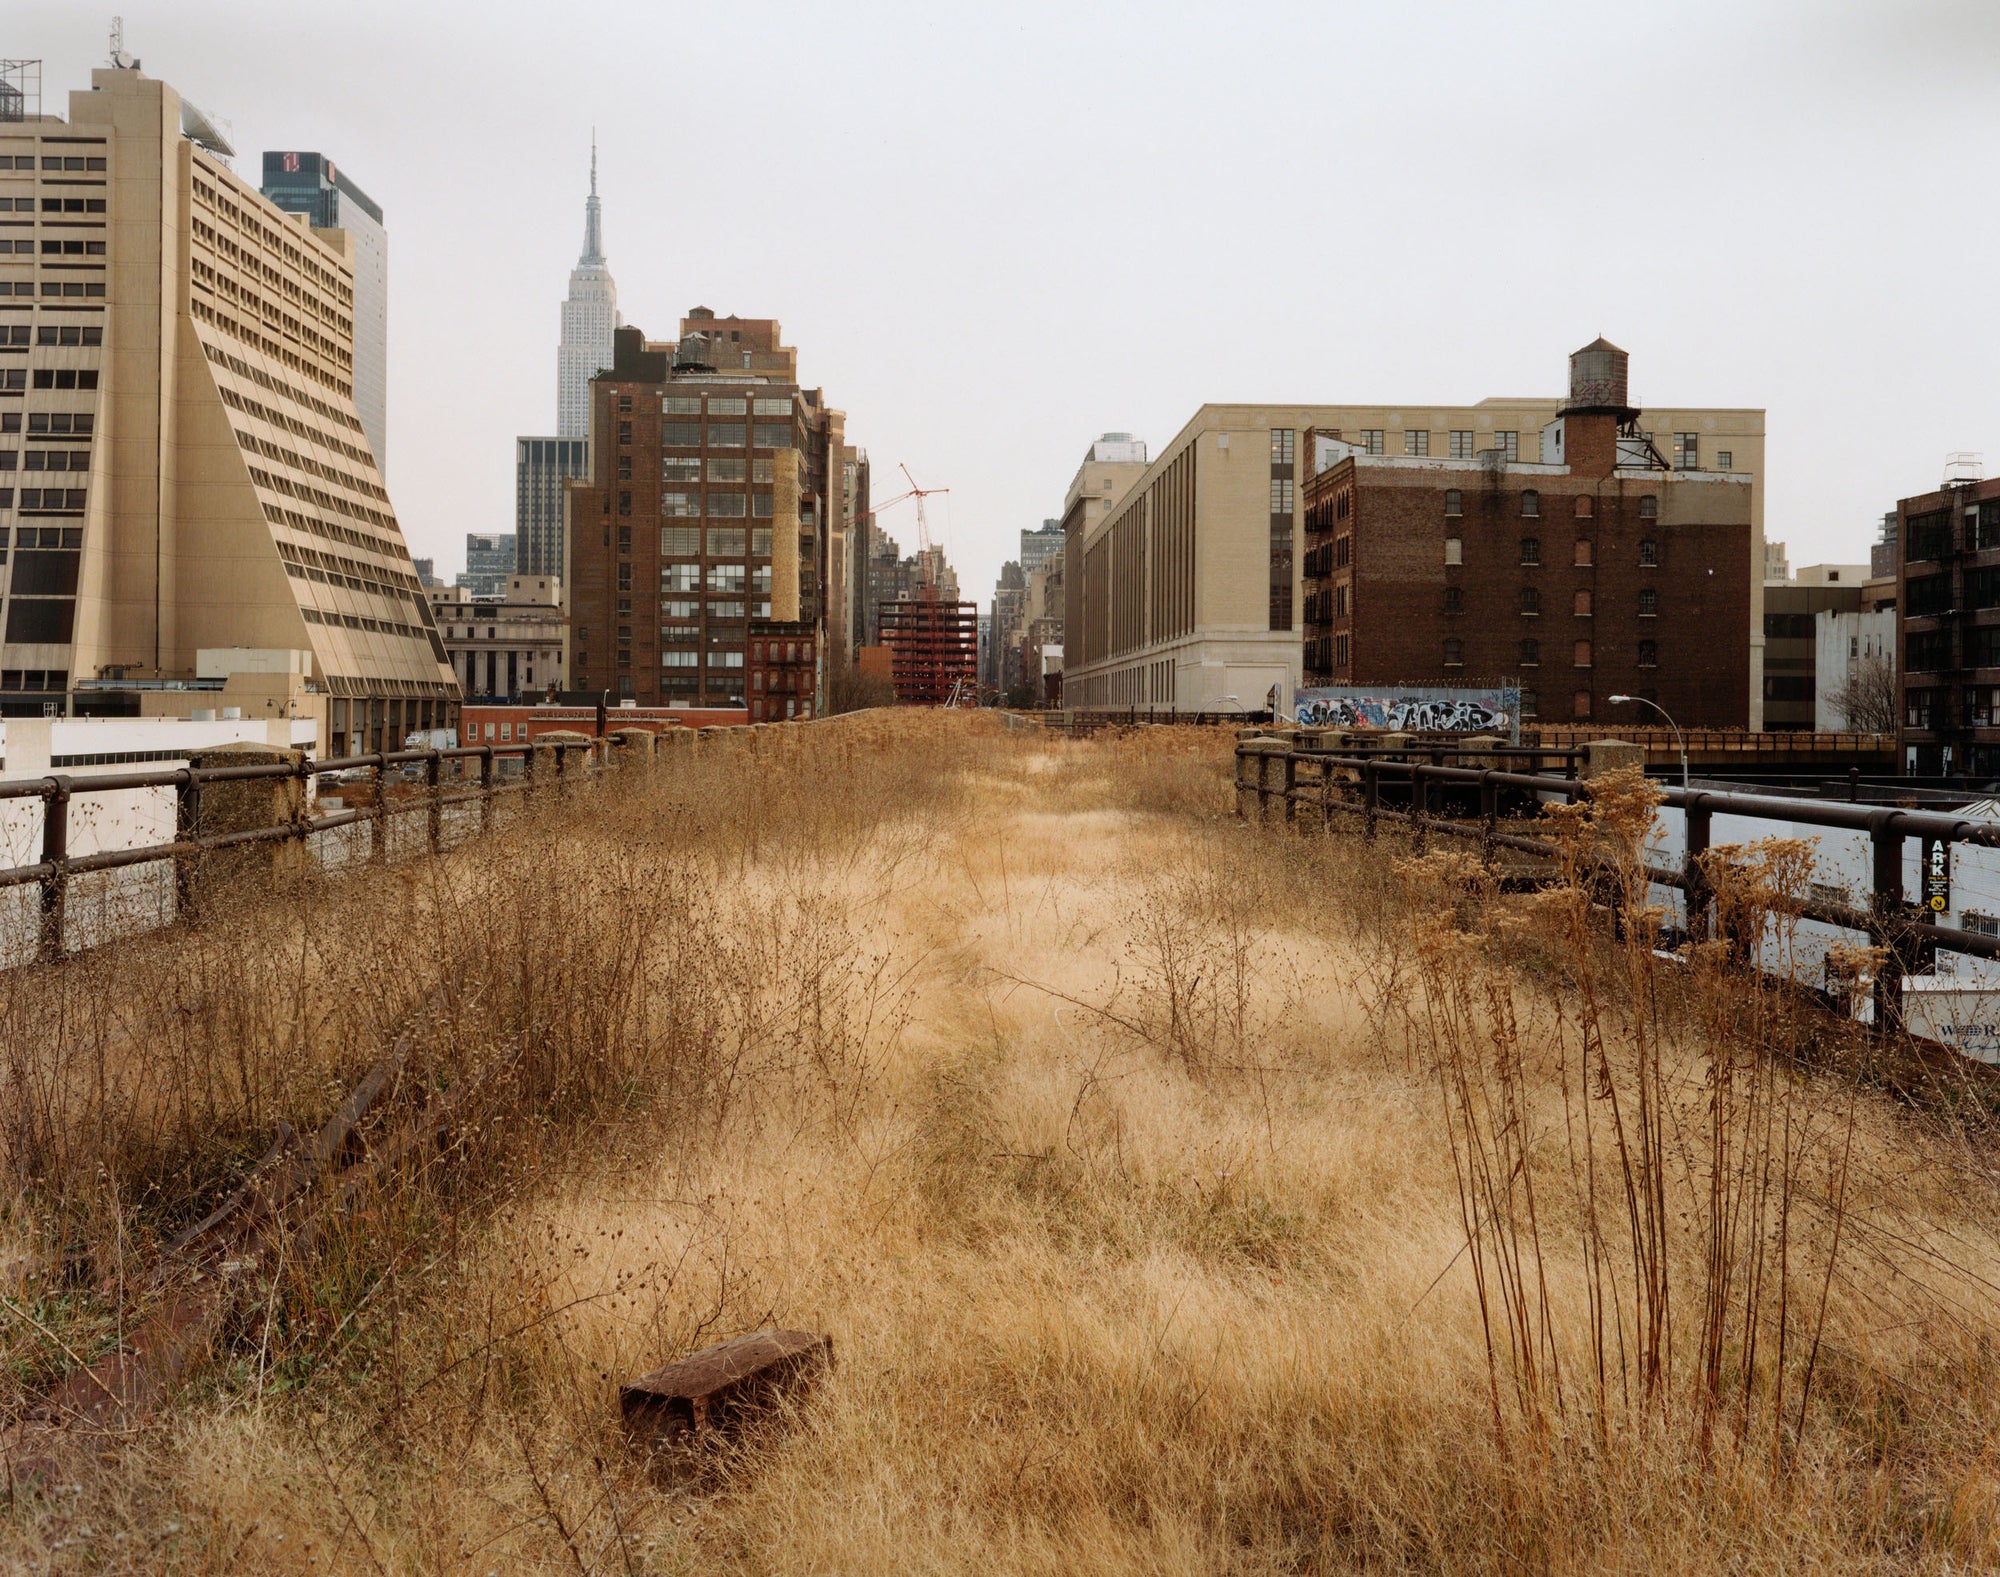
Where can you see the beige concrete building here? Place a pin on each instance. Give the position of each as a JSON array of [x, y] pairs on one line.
[[190, 346], [1110, 467], [1185, 594], [508, 647]]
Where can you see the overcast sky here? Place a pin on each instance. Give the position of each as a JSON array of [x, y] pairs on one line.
[[996, 232]]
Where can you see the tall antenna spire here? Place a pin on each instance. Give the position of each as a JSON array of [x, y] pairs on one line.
[[593, 227]]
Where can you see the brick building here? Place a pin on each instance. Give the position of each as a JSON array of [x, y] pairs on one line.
[[784, 673], [1948, 608], [715, 498], [1593, 571]]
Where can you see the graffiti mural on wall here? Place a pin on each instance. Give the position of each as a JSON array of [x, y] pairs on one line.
[[1412, 710]]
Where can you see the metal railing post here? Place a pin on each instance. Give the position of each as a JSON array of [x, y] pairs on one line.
[[433, 779], [485, 788], [1489, 814], [1291, 787], [378, 829], [1371, 796], [1420, 789], [1695, 895], [55, 854], [1890, 924], [187, 826]]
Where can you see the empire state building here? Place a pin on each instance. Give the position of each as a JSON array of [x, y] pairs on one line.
[[588, 318]]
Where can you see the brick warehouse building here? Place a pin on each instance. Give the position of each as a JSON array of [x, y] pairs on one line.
[[1596, 570], [1948, 613], [708, 512]]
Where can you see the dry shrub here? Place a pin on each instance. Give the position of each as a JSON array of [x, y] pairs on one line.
[[1179, 1197]]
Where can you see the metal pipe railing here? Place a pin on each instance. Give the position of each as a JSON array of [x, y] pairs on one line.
[[1346, 783]]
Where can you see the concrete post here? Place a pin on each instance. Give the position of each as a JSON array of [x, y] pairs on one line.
[[1610, 755], [241, 805], [632, 748]]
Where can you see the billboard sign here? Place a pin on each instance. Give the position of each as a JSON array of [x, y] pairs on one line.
[[1413, 709]]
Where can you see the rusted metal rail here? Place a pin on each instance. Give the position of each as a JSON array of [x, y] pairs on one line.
[[1278, 779], [59, 793]]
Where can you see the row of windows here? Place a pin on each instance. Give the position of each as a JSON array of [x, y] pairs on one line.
[[1582, 552], [688, 468], [53, 205], [722, 435], [87, 289], [1531, 653], [723, 541], [53, 334], [79, 422], [724, 506], [1531, 505], [68, 161], [45, 460], [718, 405], [1582, 602], [67, 500], [1930, 536]]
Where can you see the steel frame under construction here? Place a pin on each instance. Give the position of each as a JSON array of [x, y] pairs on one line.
[[933, 648]]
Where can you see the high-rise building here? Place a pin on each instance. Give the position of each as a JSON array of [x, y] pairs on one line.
[[427, 573], [854, 487], [193, 356], [489, 562], [1185, 591], [541, 466], [714, 501], [589, 318], [312, 185]]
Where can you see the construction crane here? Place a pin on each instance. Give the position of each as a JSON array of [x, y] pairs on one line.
[[933, 644], [924, 565]]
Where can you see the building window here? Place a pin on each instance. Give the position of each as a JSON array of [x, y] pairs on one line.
[[1979, 924], [1340, 651], [1371, 439], [1581, 557], [1649, 605], [1529, 702], [1581, 605], [1454, 503], [1463, 446], [1580, 655], [1649, 553], [1417, 443], [1454, 652], [1583, 506], [1649, 507], [1649, 654], [1454, 550], [625, 428], [1531, 503], [1343, 551], [1454, 600], [1282, 441], [1507, 446], [1687, 451], [1725, 460], [1531, 550], [1531, 654], [1281, 496], [1580, 706], [1531, 602]]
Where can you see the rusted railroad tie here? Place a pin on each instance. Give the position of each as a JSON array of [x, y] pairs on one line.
[[188, 1294]]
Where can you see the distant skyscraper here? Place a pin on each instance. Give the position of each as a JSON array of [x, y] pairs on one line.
[[588, 318], [540, 465], [310, 184], [489, 561]]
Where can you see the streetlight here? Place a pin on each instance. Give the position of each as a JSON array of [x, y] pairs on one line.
[[1679, 738]]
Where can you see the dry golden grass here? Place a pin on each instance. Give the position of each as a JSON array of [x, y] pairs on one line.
[[1123, 1148]]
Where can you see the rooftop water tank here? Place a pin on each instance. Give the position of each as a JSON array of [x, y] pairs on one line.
[[1597, 378]]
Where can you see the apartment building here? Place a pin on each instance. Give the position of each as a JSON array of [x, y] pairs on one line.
[[1187, 595], [182, 465], [714, 499], [1110, 466], [1793, 609], [504, 647], [1948, 629], [784, 672]]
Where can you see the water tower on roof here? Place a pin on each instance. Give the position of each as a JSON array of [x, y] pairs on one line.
[[1597, 382]]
